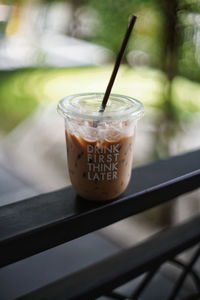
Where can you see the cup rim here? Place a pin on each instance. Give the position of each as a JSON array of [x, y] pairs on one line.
[[134, 110]]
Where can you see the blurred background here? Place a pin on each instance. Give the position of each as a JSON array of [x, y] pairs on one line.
[[50, 49]]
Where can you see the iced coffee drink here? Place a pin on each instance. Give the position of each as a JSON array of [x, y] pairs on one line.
[[100, 146]]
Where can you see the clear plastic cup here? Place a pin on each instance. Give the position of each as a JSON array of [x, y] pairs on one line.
[[100, 145]]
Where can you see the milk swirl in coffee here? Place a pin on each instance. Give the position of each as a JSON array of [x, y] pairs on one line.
[[100, 169]]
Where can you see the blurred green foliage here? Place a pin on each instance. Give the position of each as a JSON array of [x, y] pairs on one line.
[[16, 101], [149, 33], [22, 90], [113, 16], [189, 48]]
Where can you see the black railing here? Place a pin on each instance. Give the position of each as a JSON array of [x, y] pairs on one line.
[[40, 223]]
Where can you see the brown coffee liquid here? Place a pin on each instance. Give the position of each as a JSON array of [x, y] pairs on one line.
[[99, 170]]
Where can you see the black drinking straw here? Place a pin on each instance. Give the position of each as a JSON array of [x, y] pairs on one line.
[[117, 63]]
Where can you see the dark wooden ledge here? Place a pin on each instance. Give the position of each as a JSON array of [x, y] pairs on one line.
[[39, 223], [115, 270]]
